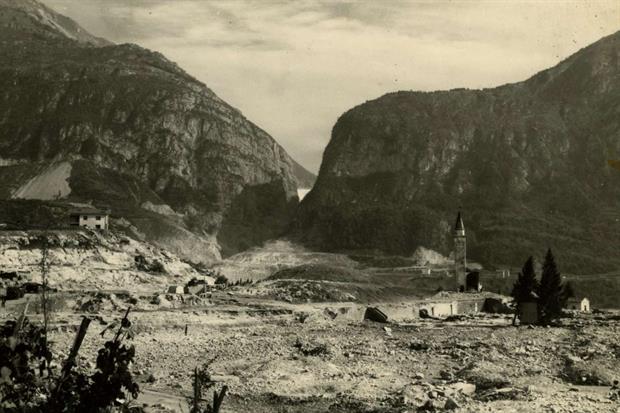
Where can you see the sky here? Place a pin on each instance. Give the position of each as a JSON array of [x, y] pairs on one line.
[[293, 67]]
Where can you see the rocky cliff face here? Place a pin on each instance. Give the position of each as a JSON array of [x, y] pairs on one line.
[[526, 162], [141, 135]]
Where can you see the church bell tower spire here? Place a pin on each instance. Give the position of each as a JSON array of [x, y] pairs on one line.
[[460, 253]]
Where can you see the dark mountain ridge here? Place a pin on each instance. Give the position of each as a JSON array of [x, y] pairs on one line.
[[527, 162], [141, 135]]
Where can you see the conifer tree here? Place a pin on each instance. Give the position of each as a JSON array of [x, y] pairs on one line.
[[524, 286], [550, 290], [567, 293]]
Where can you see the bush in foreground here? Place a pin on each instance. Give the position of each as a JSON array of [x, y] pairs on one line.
[[29, 383]]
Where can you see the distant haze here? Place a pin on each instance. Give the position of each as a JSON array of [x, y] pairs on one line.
[[302, 192], [294, 67]]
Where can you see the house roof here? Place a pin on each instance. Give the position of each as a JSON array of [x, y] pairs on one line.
[[89, 211], [576, 299], [459, 226]]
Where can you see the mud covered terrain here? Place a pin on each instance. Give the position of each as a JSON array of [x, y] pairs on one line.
[[279, 350], [278, 357]]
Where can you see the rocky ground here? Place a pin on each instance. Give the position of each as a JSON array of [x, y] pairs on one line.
[[281, 357], [89, 260], [300, 345]]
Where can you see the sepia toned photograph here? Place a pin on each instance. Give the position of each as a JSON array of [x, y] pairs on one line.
[[309, 206]]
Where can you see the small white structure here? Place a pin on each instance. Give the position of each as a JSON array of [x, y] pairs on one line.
[[582, 305], [175, 289], [440, 309], [90, 218], [423, 270]]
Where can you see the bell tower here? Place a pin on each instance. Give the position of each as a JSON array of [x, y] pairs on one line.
[[460, 253]]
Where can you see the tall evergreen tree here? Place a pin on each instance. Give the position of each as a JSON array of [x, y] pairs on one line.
[[525, 285], [567, 293], [550, 290]]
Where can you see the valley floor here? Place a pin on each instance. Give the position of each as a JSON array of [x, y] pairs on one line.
[[295, 341], [282, 357]]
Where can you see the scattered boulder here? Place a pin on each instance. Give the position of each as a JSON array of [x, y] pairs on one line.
[[196, 289], [446, 375], [90, 306], [133, 299], [419, 345], [485, 375], [451, 404], [463, 388], [457, 317], [432, 405], [153, 267], [330, 313], [495, 306], [311, 348], [423, 313], [591, 372], [374, 314], [192, 299], [506, 393], [302, 316], [161, 301]]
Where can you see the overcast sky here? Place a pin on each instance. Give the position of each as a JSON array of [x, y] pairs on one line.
[[294, 67]]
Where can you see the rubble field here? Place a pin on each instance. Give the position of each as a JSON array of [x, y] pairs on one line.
[[297, 342], [284, 357]]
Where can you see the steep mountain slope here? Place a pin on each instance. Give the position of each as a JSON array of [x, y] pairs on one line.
[[135, 132], [305, 178], [20, 19], [527, 163]]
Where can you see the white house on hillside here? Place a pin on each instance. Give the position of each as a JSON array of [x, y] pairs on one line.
[[90, 218]]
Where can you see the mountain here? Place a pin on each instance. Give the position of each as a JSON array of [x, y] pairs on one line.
[[527, 163], [119, 126], [20, 19], [305, 178]]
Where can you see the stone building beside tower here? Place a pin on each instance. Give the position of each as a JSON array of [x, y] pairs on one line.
[[460, 254]]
